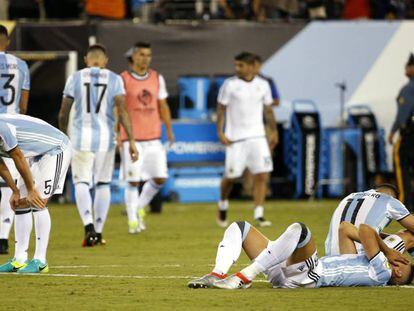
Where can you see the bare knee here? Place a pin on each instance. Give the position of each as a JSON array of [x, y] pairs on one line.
[[160, 181], [260, 178], [134, 183]]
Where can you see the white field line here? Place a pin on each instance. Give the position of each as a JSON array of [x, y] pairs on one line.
[[135, 266]]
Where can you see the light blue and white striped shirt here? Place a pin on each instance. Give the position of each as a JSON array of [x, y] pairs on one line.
[[370, 207], [33, 136], [353, 270], [93, 91], [14, 77]]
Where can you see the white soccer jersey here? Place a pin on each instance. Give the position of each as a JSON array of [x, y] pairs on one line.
[[94, 91], [14, 77], [369, 207], [244, 101]]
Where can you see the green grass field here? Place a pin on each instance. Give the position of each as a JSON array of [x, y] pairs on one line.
[[150, 271]]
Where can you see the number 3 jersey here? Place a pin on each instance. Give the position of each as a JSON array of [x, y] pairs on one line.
[[14, 77], [369, 207], [92, 125]]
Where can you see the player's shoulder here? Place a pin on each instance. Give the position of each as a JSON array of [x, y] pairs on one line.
[[230, 81]]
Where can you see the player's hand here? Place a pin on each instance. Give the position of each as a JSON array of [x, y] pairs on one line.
[[391, 138], [224, 140], [133, 151], [14, 200], [171, 138], [395, 257], [273, 140], [34, 199], [119, 142]]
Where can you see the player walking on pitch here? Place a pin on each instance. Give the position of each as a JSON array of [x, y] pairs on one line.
[[242, 102], [95, 93], [14, 97], [146, 96], [41, 154]]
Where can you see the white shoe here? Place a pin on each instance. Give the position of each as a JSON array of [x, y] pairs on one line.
[[235, 281], [141, 221], [222, 223], [261, 222], [206, 281], [133, 227]]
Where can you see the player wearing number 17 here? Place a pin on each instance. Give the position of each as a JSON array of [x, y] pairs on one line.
[[97, 95]]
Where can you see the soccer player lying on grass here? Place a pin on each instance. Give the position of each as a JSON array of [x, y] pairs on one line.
[[41, 154], [376, 208], [291, 261]]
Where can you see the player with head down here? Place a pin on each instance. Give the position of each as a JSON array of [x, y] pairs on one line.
[[291, 261]]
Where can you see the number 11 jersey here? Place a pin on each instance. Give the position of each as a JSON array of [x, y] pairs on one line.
[[369, 207], [14, 77], [93, 90]]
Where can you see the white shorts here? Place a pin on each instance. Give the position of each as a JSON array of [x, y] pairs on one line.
[[253, 154], [92, 167], [152, 161], [302, 274], [49, 173], [12, 169]]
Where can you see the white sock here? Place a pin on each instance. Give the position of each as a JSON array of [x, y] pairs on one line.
[[7, 214], [278, 251], [148, 192], [84, 203], [223, 205], [131, 202], [258, 212], [42, 228], [101, 205], [23, 224], [230, 247]]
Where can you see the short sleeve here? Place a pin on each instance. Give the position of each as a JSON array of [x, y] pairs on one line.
[[8, 136], [69, 88], [119, 88], [26, 76], [267, 99], [397, 210], [162, 91], [380, 269], [224, 93]]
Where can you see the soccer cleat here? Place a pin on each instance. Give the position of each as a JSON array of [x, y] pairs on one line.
[[100, 240], [261, 222], [35, 266], [12, 266], [206, 281], [90, 239], [133, 227], [4, 246], [141, 217], [221, 219], [235, 281]]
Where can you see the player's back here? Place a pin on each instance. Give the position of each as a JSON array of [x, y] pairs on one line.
[[369, 207], [93, 91], [353, 270], [14, 77], [33, 136]]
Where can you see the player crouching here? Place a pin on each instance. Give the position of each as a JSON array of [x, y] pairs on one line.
[[291, 261]]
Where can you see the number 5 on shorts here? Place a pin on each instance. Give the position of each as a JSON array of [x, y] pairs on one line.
[[48, 187]]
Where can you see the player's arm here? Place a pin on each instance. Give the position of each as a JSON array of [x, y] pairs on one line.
[[5, 174], [165, 115], [33, 197], [221, 111], [373, 244], [24, 101], [125, 121], [408, 223], [270, 122], [348, 235], [64, 113]]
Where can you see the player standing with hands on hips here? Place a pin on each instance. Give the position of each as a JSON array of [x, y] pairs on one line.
[[243, 100]]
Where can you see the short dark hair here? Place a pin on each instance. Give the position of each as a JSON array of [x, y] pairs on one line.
[[142, 44], [4, 31], [389, 186], [96, 47], [258, 58], [245, 57]]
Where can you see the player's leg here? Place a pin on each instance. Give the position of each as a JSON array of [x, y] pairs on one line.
[[6, 219], [155, 171], [293, 246], [235, 163], [239, 235], [259, 162], [49, 174], [103, 169], [82, 172]]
